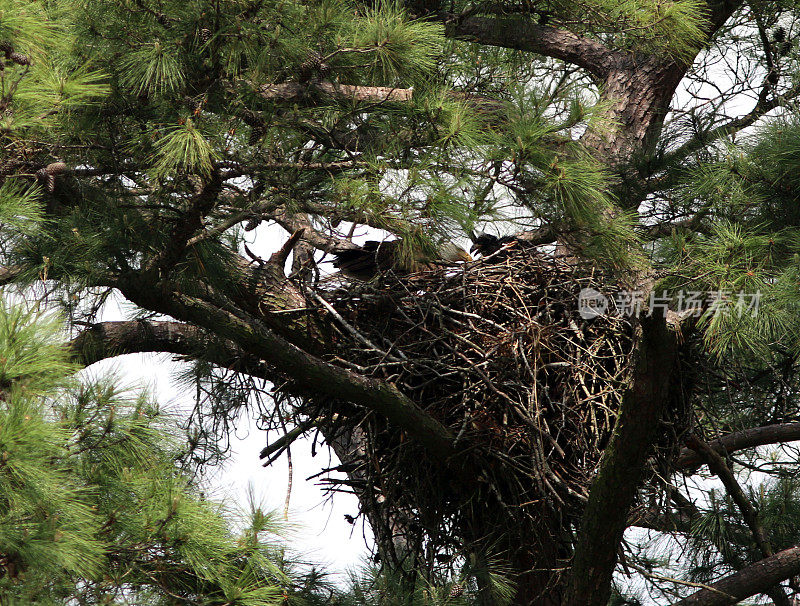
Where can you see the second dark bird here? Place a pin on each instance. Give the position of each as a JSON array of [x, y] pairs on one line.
[[487, 244], [368, 261]]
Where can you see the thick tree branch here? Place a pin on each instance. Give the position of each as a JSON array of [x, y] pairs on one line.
[[318, 377], [748, 438], [296, 221], [523, 34], [756, 578], [345, 92], [719, 13], [110, 339], [614, 489], [492, 110], [190, 224]]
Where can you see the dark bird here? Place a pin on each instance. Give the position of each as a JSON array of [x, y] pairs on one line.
[[487, 244], [366, 262]]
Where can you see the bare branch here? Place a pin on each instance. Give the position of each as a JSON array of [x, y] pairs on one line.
[[271, 451], [523, 34], [702, 140], [279, 257], [347, 92], [756, 578], [295, 221], [749, 438], [110, 339]]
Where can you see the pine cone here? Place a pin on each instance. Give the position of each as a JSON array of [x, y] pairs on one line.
[[19, 58], [457, 590], [255, 135], [779, 34], [47, 175], [56, 168], [205, 35], [310, 66]]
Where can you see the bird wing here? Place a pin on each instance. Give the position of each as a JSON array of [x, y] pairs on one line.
[[356, 263], [366, 262]]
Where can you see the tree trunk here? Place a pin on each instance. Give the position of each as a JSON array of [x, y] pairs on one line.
[[638, 92]]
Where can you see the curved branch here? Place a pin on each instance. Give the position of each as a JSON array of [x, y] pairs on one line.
[[756, 578], [316, 375], [749, 438], [110, 339], [525, 35], [720, 468]]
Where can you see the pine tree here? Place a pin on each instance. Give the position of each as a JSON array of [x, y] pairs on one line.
[[653, 145], [99, 505]]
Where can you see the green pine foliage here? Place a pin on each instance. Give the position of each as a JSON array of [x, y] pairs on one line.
[[668, 27], [749, 252], [183, 148], [485, 585], [94, 507], [176, 88]]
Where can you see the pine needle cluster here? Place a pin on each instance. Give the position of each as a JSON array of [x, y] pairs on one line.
[[94, 507]]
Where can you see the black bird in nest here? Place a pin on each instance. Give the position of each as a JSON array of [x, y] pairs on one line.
[[487, 244], [368, 261]]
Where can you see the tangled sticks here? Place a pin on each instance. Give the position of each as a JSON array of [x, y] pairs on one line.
[[498, 352]]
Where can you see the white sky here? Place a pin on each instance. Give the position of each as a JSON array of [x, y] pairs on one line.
[[317, 529]]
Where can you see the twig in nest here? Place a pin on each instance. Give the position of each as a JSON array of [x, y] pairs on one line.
[[358, 336]]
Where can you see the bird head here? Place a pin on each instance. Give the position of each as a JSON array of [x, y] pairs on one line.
[[485, 244], [453, 254]]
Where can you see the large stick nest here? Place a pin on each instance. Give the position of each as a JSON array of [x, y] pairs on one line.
[[498, 352]]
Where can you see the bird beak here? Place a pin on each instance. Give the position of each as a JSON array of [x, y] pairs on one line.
[[464, 256], [475, 248]]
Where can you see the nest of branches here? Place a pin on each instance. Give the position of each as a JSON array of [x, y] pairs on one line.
[[499, 353]]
